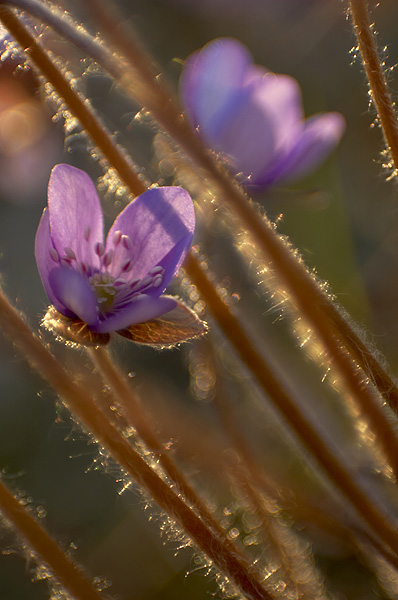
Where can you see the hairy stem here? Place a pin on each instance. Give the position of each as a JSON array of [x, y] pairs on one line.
[[136, 417], [232, 328], [79, 401], [46, 550], [327, 456], [310, 300], [375, 73]]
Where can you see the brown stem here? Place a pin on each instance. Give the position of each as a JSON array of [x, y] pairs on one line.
[[70, 576], [79, 401], [136, 417], [227, 321], [328, 458], [238, 336], [305, 292], [169, 114], [286, 547], [375, 73]]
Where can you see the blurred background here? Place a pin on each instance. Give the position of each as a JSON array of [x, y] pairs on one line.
[[343, 219]]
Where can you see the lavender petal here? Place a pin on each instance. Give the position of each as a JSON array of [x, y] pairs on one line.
[[74, 291], [75, 213], [45, 264], [210, 77], [140, 310], [320, 136], [155, 223]]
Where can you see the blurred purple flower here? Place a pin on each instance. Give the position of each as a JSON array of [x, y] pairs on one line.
[[254, 118], [111, 285]]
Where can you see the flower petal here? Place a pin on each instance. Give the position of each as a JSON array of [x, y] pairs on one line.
[[142, 309], [210, 77], [155, 223], [321, 135], [261, 124], [45, 264], [74, 291], [76, 220]]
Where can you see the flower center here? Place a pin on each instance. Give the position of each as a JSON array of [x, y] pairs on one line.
[[103, 286], [111, 292]]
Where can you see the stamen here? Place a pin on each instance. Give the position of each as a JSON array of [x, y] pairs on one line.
[[127, 243], [156, 270], [147, 281], [69, 253], [65, 262], [99, 249], [119, 282], [157, 280], [54, 254], [127, 265], [108, 258], [117, 236], [137, 296], [87, 233], [133, 284]]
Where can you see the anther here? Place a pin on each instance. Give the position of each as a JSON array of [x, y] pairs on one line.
[[126, 241], [54, 254], [147, 281], [156, 270], [127, 265], [157, 280], [137, 297], [108, 258], [65, 262], [119, 282], [133, 284], [87, 233], [99, 249], [69, 253], [117, 236]]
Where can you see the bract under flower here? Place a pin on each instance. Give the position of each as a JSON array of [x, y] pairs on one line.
[[252, 117], [113, 284]]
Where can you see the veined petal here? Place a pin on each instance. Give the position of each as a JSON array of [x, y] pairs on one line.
[[140, 310], [210, 77], [46, 264], [320, 136], [154, 224], [76, 220], [74, 291]]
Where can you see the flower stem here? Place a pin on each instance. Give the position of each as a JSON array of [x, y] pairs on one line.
[[230, 325], [325, 319], [305, 293], [377, 81], [327, 456], [136, 417], [46, 550], [79, 401]]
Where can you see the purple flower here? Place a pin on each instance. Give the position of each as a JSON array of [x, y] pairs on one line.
[[114, 284], [252, 117]]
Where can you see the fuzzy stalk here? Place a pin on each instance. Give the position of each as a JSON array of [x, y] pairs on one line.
[[136, 417], [305, 293], [376, 76], [45, 549], [229, 324], [81, 404]]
